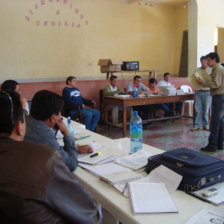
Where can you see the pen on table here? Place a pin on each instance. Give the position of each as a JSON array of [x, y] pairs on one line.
[[95, 154]]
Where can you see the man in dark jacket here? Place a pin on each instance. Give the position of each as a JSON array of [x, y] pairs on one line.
[[73, 97], [35, 184]]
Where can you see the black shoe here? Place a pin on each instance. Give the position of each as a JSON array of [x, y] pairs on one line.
[[207, 149]]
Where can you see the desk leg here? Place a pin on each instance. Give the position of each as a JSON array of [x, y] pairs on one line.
[[106, 116], [124, 121]]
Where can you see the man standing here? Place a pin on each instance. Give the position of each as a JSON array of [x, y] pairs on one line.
[[73, 97], [202, 99], [35, 184], [111, 90], [216, 86], [45, 119]]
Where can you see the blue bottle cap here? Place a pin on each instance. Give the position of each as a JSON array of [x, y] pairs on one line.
[[135, 113], [69, 120]]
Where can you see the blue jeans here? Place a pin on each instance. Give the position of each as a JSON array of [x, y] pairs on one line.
[[90, 116], [202, 102], [216, 137]]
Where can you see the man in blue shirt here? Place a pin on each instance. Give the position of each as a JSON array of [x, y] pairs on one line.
[[73, 97]]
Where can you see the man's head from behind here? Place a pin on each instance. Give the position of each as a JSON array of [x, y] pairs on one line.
[[71, 81], [166, 76], [11, 85], [152, 83], [47, 106], [213, 59], [113, 81], [12, 121]]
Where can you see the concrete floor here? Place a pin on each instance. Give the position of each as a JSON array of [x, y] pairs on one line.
[[167, 135]]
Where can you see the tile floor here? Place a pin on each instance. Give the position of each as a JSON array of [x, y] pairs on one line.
[[169, 134]]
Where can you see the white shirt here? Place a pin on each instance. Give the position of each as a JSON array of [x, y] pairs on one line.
[[163, 83]]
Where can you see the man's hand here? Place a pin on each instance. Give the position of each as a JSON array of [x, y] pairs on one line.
[[83, 106], [23, 102], [61, 126], [94, 103], [84, 149], [199, 81]]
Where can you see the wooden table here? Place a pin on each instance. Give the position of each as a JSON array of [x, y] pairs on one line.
[[125, 102]]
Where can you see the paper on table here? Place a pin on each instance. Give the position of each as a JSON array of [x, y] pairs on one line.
[[206, 216], [161, 174], [97, 159], [104, 169], [164, 175], [119, 177], [134, 161], [215, 199], [150, 198]]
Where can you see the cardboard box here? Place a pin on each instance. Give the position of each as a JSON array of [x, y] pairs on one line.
[[110, 65]]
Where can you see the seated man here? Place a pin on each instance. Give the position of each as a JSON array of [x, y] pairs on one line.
[[111, 90], [12, 85], [141, 88], [73, 97], [45, 119], [36, 186], [166, 82], [154, 90]]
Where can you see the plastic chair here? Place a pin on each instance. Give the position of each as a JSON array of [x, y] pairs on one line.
[[189, 104]]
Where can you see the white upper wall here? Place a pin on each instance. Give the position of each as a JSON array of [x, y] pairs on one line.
[[208, 16]]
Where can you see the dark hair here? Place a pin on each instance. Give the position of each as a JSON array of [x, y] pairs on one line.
[[9, 85], [213, 55], [113, 77], [69, 79], [165, 74], [137, 77], [11, 111], [152, 80], [45, 103], [203, 58]]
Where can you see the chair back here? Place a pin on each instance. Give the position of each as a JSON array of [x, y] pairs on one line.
[[186, 89]]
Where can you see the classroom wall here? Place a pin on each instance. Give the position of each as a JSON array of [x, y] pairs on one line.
[[49, 39], [204, 17]]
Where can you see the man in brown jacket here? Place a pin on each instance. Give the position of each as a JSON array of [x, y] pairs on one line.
[[35, 184]]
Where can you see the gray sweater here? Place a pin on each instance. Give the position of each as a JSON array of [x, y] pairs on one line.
[[38, 131]]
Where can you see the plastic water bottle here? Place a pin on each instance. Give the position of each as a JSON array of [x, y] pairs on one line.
[[135, 133], [69, 127]]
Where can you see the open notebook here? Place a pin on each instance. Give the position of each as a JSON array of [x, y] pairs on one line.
[[101, 159], [150, 198]]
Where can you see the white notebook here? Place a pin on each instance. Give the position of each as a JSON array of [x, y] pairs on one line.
[[150, 198], [100, 159], [134, 161], [119, 177]]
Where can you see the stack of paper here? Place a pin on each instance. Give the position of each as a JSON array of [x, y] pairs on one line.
[[134, 161], [100, 159], [150, 198], [119, 177], [167, 90]]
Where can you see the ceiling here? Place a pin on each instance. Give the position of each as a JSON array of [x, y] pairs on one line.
[[159, 2]]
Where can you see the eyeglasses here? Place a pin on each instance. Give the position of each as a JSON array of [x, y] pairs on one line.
[[11, 104]]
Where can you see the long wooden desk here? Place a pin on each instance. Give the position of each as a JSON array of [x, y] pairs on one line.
[[125, 102], [118, 205]]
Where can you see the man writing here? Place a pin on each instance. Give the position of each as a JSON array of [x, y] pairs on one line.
[[216, 85], [45, 119], [35, 184], [73, 97]]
